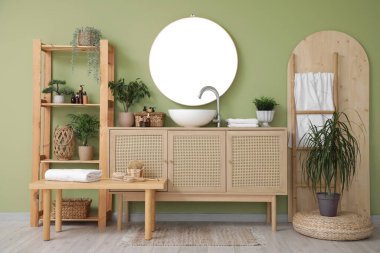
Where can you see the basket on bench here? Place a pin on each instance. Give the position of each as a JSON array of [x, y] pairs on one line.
[[74, 208]]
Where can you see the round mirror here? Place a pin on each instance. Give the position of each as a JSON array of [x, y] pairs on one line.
[[189, 54]]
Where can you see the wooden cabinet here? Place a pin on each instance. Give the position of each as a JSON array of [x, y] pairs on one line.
[[196, 161], [256, 162], [206, 160], [42, 118]]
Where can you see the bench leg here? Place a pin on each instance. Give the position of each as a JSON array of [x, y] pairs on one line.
[[149, 194], [119, 211], [153, 210], [126, 210], [274, 214], [58, 210], [102, 210], [46, 215]]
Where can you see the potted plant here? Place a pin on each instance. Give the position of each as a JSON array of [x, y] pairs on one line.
[[331, 156], [59, 92], [87, 36], [265, 109], [85, 126], [128, 94]]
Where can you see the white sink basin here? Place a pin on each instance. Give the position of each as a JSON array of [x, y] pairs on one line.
[[192, 117]]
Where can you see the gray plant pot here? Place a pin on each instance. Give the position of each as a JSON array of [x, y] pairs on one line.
[[328, 203]]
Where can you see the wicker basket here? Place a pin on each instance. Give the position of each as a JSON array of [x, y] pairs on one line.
[[157, 119], [78, 208]]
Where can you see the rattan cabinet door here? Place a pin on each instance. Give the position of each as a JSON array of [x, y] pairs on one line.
[[196, 161], [257, 162], [149, 146]]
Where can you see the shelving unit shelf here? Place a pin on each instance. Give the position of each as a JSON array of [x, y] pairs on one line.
[[42, 116]]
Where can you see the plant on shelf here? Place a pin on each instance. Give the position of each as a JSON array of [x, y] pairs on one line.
[[128, 94], [87, 36], [265, 109], [331, 156], [59, 92], [85, 126]]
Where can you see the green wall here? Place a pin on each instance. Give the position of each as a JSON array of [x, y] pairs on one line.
[[265, 33]]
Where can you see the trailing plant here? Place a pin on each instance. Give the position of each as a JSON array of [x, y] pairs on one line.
[[85, 126], [87, 36], [128, 93], [54, 87], [332, 154], [265, 103]]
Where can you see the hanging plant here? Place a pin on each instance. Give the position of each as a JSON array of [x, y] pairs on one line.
[[87, 36]]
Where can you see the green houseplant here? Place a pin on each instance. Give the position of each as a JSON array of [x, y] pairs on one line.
[[128, 94], [59, 93], [87, 36], [85, 126], [265, 109], [332, 155]]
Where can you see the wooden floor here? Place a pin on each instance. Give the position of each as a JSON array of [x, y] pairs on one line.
[[17, 236]]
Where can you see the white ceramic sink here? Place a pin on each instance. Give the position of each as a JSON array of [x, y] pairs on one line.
[[192, 117]]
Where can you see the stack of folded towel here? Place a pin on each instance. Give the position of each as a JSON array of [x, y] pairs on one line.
[[243, 122], [74, 175]]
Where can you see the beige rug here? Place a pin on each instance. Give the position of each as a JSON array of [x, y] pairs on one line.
[[194, 234]]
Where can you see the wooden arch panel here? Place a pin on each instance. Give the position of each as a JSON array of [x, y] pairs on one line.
[[315, 54]]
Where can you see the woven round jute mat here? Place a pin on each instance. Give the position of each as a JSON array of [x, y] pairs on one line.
[[345, 226]]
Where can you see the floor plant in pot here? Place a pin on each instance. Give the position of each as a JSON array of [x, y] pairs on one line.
[[330, 160], [85, 126], [265, 109], [59, 93], [128, 94]]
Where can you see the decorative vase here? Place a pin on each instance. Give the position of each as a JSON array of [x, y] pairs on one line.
[[86, 153], [328, 203], [58, 99], [126, 119], [265, 117], [63, 147]]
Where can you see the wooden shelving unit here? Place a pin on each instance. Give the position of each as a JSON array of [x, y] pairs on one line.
[[42, 116]]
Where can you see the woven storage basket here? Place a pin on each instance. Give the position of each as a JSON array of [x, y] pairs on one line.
[[74, 208], [344, 227], [157, 119], [63, 142]]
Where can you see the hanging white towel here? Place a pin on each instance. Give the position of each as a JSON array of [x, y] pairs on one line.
[[312, 91], [75, 175], [242, 121]]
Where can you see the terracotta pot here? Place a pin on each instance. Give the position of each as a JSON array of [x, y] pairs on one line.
[[328, 203], [126, 119], [58, 99], [85, 153], [265, 117]]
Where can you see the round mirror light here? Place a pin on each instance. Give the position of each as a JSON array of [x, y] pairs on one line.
[[189, 54]]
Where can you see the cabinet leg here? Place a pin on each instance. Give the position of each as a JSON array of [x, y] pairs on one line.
[[126, 210], [46, 215], [58, 210], [269, 206], [119, 211], [274, 214]]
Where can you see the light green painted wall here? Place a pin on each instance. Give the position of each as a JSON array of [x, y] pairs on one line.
[[265, 33]]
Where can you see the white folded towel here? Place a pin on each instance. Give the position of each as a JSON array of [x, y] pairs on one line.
[[242, 121], [74, 175], [242, 125]]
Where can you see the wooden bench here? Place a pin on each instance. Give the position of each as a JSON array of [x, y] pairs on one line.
[[150, 188]]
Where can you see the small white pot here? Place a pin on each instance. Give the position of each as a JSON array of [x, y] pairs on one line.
[[58, 99], [265, 117]]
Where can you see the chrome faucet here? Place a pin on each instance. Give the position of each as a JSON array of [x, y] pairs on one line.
[[217, 118]]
